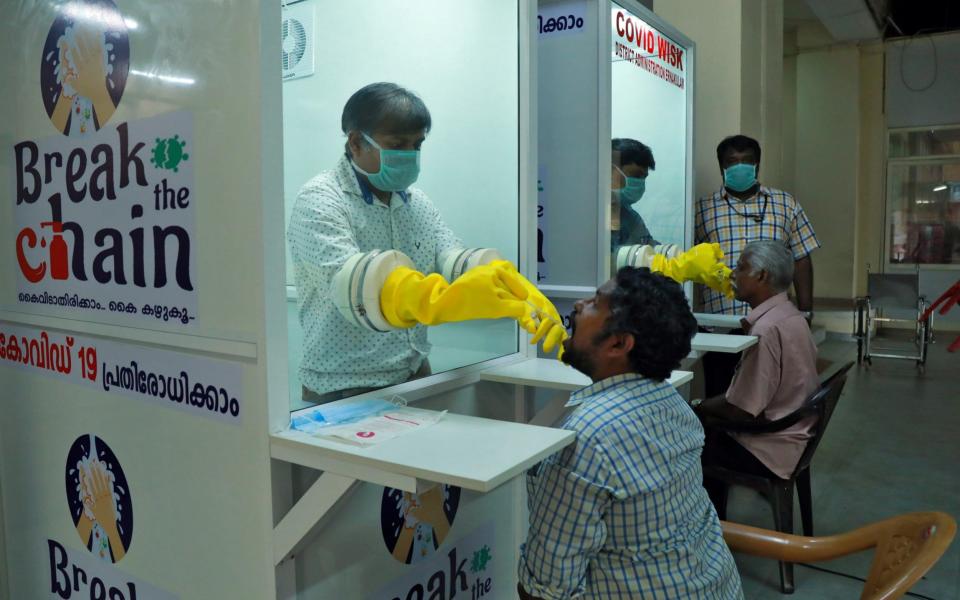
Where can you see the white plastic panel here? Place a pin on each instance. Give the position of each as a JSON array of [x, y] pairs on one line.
[[590, 93], [466, 75], [569, 107], [649, 94], [194, 483]]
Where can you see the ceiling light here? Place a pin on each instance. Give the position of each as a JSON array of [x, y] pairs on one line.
[[98, 14], [166, 78]]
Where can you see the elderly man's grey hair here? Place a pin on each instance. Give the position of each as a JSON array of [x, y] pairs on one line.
[[774, 258]]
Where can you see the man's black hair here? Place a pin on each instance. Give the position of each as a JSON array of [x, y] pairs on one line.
[[737, 143], [385, 106], [633, 152], [652, 308]]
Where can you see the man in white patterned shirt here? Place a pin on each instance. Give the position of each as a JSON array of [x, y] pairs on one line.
[[343, 212], [622, 512], [352, 227]]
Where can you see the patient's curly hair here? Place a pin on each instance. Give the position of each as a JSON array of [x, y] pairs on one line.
[[652, 308]]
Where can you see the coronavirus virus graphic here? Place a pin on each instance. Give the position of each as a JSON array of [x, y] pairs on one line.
[[480, 559], [168, 153]]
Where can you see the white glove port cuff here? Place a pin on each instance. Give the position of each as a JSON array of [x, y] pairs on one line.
[[454, 263], [668, 250], [634, 256], [357, 285]]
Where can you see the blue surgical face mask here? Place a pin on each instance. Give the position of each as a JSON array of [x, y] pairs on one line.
[[740, 177], [632, 190], [398, 168]]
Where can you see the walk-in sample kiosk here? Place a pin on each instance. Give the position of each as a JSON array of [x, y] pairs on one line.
[[152, 341]]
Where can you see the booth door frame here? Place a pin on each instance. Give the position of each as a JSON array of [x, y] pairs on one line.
[[274, 258]]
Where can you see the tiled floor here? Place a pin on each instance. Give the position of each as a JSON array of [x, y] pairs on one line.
[[893, 446]]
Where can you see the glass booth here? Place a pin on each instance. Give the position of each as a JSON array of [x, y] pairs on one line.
[[462, 59], [615, 112], [474, 64]]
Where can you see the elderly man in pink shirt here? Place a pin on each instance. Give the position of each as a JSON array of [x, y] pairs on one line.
[[774, 377]]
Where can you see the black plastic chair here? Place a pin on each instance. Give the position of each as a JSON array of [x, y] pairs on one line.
[[779, 492]]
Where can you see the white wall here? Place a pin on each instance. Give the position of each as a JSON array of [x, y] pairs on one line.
[[468, 78], [923, 81], [771, 74], [199, 487], [827, 161], [716, 29], [4, 580], [788, 150], [831, 122], [833, 115], [871, 186], [738, 76], [835, 158]]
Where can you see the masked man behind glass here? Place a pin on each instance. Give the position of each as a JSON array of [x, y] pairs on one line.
[[374, 262], [631, 164]]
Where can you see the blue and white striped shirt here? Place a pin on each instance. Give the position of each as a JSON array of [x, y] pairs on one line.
[[622, 512]]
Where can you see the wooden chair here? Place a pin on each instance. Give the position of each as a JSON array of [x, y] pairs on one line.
[[779, 492], [907, 546]]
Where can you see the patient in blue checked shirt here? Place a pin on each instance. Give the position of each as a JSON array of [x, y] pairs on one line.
[[622, 512]]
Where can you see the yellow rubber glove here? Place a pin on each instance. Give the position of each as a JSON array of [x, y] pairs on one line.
[[491, 291], [721, 281], [551, 329], [701, 264], [553, 333]]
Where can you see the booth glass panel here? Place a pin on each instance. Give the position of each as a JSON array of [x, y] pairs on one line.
[[468, 78], [649, 98]]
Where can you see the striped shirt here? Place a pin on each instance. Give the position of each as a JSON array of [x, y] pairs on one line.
[[732, 223], [622, 512]]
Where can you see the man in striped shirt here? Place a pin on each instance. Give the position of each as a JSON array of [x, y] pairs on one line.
[[622, 512], [744, 211]]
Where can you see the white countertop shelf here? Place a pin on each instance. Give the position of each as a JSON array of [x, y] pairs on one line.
[[722, 342], [553, 374], [471, 452], [714, 320]]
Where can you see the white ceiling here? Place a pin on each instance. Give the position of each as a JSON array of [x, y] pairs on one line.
[[796, 12], [846, 20]]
